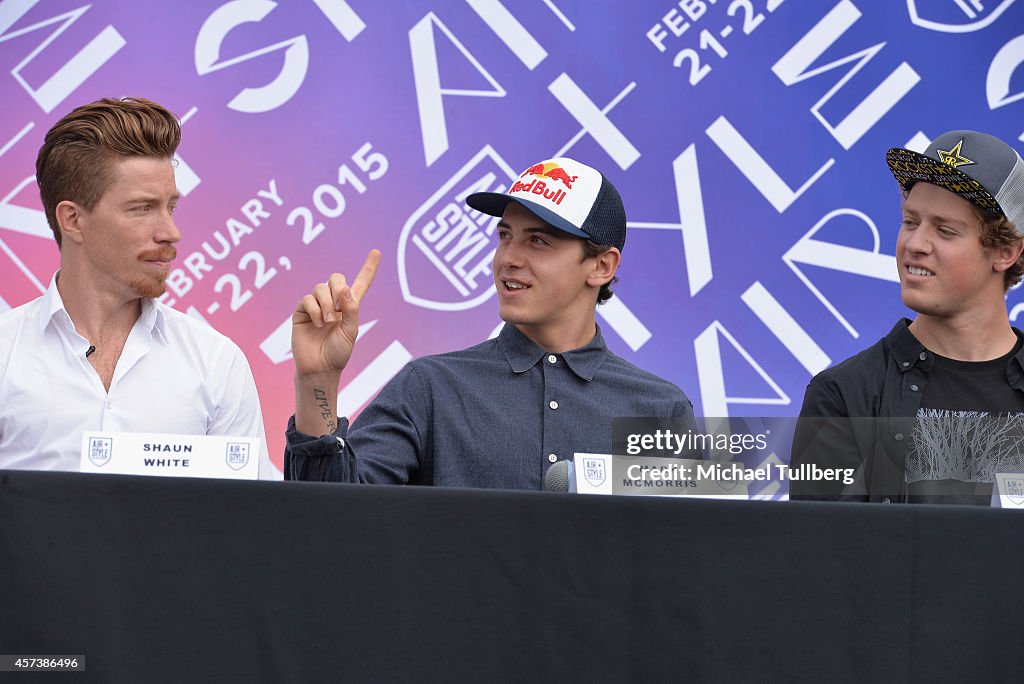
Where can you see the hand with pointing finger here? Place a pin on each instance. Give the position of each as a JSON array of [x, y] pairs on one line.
[[325, 325], [326, 322]]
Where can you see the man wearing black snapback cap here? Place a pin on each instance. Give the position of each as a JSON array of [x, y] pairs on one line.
[[933, 411], [498, 414]]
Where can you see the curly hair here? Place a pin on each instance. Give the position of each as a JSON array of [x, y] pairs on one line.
[[74, 161]]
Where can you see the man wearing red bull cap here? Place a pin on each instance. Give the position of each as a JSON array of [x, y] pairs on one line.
[[934, 410], [498, 414]]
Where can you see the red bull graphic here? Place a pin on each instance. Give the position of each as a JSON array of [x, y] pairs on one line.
[[535, 170], [538, 187], [543, 184], [559, 174], [552, 171]]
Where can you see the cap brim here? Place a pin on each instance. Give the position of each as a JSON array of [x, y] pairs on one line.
[[909, 167], [493, 204]]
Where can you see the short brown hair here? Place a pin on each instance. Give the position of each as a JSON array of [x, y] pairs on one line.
[[592, 249], [999, 231], [74, 161]]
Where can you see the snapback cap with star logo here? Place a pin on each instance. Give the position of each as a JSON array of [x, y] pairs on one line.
[[979, 167]]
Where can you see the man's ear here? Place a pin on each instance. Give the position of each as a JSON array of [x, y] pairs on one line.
[[605, 266], [1007, 255], [69, 220]]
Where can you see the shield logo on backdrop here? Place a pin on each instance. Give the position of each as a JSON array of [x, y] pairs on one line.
[[100, 450], [237, 455], [445, 249], [955, 16], [594, 470]]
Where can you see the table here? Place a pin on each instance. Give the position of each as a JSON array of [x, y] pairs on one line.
[[159, 579]]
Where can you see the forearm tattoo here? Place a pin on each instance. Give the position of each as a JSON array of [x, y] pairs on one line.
[[325, 410]]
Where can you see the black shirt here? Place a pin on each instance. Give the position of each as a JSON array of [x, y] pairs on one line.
[[861, 413], [968, 428]]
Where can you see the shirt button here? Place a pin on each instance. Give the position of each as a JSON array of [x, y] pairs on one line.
[[110, 404], [552, 358], [913, 388], [553, 404], [906, 363], [923, 355], [552, 458], [886, 500], [898, 436]]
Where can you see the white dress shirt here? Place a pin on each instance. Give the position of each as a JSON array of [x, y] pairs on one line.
[[175, 375]]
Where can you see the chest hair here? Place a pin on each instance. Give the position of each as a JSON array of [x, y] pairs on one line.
[[104, 360]]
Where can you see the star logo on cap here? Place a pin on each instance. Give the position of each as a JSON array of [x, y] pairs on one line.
[[953, 157]]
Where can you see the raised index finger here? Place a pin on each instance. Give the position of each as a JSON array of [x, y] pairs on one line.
[[362, 282]]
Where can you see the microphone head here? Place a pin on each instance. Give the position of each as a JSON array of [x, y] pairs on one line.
[[558, 476]]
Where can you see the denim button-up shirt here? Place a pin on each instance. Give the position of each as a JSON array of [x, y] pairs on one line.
[[494, 415]]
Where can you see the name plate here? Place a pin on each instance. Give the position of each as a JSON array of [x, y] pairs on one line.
[[140, 453], [1008, 490], [662, 476]]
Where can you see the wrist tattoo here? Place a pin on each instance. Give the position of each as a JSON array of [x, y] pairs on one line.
[[325, 409]]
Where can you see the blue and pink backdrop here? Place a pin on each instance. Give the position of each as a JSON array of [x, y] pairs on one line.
[[747, 138]]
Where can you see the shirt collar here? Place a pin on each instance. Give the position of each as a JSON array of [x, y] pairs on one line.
[[522, 354], [906, 349], [152, 317], [53, 306]]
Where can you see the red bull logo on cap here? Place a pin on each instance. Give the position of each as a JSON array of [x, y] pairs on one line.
[[550, 170], [546, 175]]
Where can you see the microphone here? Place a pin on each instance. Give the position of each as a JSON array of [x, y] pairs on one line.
[[558, 477], [90, 350]]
